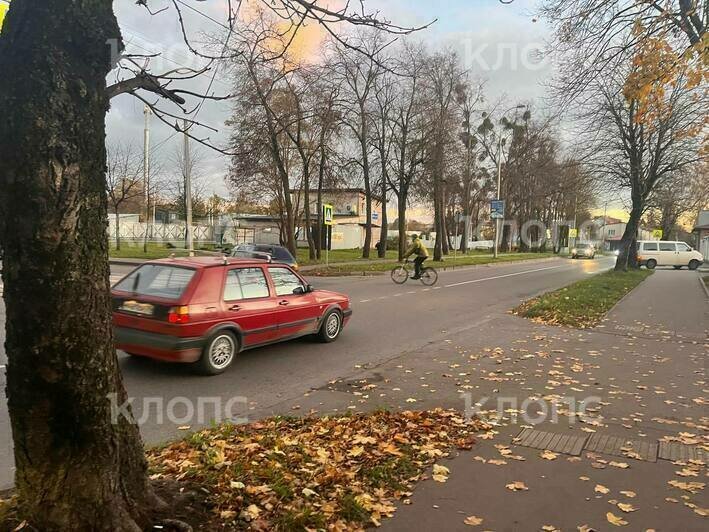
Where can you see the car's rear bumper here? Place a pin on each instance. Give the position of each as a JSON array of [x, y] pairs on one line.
[[159, 346]]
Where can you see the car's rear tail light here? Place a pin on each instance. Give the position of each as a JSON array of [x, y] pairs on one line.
[[179, 314]]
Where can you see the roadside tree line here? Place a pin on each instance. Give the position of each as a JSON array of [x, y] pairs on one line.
[[407, 124]]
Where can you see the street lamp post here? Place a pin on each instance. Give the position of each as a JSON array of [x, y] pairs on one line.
[[499, 178], [497, 196]]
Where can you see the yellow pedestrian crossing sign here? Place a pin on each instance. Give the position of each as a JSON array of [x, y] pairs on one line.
[[327, 214], [4, 6], [657, 233], [573, 232]]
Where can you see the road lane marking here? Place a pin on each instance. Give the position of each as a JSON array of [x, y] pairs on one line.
[[365, 300], [502, 276]]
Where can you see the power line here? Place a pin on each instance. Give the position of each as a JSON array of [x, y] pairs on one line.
[[203, 15]]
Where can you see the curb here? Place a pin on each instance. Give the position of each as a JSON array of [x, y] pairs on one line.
[[704, 285], [127, 262], [440, 269]]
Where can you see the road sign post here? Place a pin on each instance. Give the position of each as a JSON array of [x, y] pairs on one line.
[[328, 220], [497, 213]]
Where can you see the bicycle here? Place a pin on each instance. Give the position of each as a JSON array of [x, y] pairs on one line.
[[402, 273]]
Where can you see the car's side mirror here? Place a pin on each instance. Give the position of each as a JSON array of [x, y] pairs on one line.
[[299, 290], [309, 288]]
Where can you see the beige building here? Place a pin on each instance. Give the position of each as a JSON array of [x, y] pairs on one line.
[[350, 216]]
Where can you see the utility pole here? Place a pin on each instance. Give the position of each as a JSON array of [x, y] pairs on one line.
[[187, 167], [146, 173], [499, 173], [497, 196]]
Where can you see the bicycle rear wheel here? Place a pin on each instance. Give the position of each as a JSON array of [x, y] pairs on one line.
[[429, 276], [400, 275]]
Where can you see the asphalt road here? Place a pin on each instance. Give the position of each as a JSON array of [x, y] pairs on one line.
[[388, 320]]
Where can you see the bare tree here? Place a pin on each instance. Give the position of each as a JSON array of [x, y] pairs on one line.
[[357, 74], [409, 133], [634, 156], [124, 180], [443, 75], [175, 183]]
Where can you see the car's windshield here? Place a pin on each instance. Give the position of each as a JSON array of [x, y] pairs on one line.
[[157, 280], [584, 246]]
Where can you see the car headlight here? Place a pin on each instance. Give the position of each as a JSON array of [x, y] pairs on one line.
[[573, 251], [616, 252]]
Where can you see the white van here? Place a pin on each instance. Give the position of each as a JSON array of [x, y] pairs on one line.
[[663, 253]]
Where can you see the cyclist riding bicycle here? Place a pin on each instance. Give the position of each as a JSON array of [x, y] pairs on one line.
[[421, 252]]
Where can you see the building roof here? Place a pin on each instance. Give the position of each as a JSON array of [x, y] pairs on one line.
[[702, 221]]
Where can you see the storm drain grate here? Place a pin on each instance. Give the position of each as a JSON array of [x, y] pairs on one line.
[[675, 452], [617, 446], [552, 441]]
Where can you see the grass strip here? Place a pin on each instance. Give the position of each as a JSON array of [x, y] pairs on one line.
[[449, 262], [582, 304]]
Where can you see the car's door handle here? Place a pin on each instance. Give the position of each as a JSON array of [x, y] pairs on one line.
[[283, 303], [235, 308]]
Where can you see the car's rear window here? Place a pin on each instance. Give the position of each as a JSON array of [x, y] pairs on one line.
[[157, 280], [282, 254], [276, 252]]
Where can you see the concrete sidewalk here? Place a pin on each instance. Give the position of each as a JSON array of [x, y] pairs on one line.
[[639, 381]]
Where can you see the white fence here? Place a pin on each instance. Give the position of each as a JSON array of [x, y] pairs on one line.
[[159, 232]]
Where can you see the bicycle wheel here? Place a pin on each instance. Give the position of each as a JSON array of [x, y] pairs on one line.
[[429, 276], [400, 274]]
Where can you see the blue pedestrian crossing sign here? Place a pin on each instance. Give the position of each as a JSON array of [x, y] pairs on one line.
[[497, 209]]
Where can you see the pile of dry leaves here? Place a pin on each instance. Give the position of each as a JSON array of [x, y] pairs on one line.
[[340, 473]]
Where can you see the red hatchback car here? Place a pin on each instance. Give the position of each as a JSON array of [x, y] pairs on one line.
[[206, 309]]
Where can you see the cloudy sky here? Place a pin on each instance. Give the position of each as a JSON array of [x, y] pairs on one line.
[[500, 44]]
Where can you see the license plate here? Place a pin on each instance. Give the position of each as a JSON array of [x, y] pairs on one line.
[[138, 308]]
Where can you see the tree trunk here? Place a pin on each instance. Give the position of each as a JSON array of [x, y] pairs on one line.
[[118, 230], [367, 189], [628, 253], [75, 469], [384, 221], [321, 174], [438, 226], [401, 210], [306, 214]]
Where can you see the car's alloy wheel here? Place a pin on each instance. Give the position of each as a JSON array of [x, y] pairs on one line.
[[219, 353], [331, 327], [651, 264], [693, 264]]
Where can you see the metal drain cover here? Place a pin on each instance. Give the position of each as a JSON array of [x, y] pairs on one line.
[[674, 452], [552, 441], [618, 446]]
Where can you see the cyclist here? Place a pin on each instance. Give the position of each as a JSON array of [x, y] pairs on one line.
[[421, 252]]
